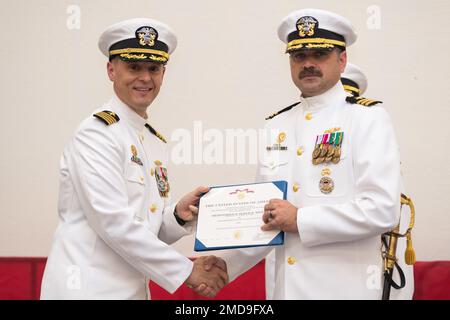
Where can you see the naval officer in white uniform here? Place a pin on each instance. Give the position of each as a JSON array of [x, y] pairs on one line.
[[340, 157], [116, 222], [355, 84]]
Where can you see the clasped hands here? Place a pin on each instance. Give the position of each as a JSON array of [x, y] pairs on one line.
[[209, 275]]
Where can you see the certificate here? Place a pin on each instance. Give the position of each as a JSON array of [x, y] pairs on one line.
[[231, 216]]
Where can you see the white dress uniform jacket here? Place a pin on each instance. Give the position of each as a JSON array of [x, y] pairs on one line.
[[114, 227], [336, 253]]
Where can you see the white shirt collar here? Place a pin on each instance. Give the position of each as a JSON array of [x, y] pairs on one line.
[[326, 99], [126, 113]]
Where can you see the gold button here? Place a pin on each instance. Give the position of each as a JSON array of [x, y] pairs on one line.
[[299, 151], [152, 172], [153, 207], [308, 116], [291, 260], [295, 187], [142, 179]]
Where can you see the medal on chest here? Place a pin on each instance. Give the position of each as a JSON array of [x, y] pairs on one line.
[[326, 183], [162, 181], [134, 156], [328, 147], [327, 150]]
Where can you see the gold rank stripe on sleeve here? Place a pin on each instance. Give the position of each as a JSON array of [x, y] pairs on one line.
[[156, 133], [108, 117], [281, 111], [362, 101]]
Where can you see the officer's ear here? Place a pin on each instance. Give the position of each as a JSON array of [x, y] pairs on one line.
[[110, 70], [342, 60]]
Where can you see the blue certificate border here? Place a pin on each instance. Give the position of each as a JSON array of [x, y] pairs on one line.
[[276, 241]]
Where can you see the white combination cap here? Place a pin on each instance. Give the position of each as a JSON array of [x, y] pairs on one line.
[[308, 29], [139, 39]]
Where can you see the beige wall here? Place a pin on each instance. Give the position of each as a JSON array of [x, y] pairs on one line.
[[229, 71]]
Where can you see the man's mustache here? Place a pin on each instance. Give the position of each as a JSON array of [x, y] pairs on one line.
[[309, 72]]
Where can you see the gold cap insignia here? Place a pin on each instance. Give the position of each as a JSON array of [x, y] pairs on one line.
[[306, 26], [146, 36]]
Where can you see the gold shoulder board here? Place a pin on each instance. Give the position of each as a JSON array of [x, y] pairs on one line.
[[108, 117], [362, 101]]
